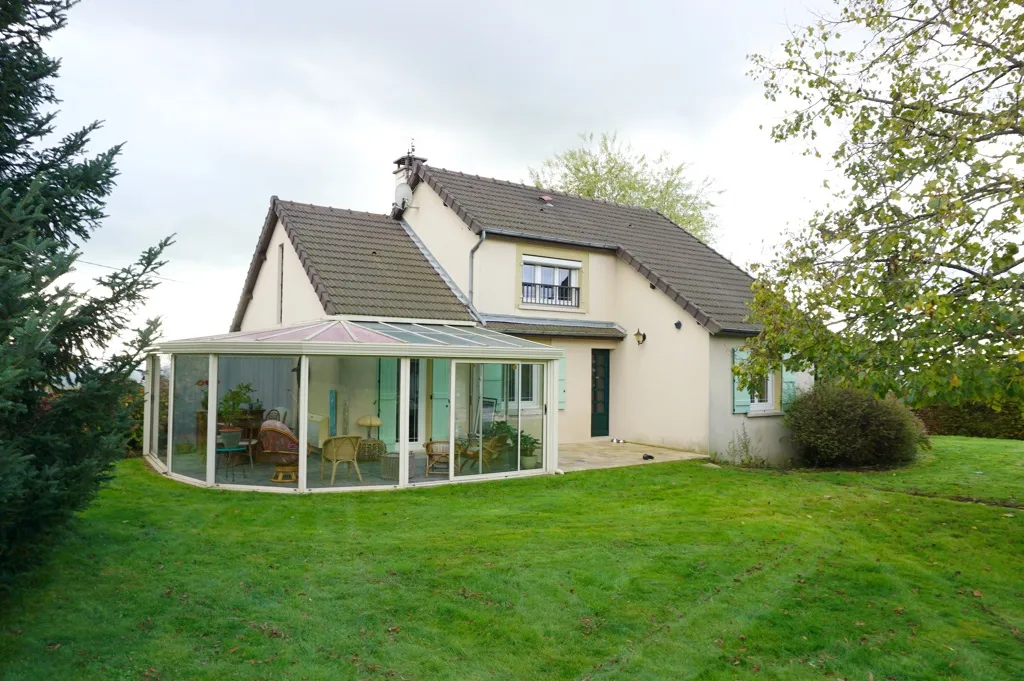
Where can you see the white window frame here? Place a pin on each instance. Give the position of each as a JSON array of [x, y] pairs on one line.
[[531, 403], [767, 403], [538, 262]]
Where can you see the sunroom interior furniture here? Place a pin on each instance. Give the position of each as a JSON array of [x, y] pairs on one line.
[[369, 422], [281, 448], [438, 453], [371, 450], [231, 457], [492, 450], [340, 449], [249, 423]]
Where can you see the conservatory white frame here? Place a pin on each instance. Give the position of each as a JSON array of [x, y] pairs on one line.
[[492, 347]]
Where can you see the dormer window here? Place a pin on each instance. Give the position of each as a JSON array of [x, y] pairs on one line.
[[551, 281]]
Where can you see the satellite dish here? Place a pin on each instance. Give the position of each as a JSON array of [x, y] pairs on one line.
[[403, 195]]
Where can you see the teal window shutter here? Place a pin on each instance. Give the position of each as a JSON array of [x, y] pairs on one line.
[[561, 383], [440, 400], [387, 401], [788, 387], [740, 398], [494, 382]]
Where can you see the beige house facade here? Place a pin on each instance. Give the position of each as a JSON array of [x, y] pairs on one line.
[[649, 321]]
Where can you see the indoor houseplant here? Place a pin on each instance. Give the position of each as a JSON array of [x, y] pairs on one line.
[[230, 413], [527, 448]]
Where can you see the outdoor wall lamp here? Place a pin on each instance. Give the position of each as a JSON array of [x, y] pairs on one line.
[[640, 337]]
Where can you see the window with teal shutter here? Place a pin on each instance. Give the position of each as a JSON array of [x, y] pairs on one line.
[[788, 387], [494, 382], [440, 399], [387, 401], [740, 398]]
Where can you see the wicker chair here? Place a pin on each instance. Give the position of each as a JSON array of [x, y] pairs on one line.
[[492, 450], [340, 449], [280, 446], [437, 453]]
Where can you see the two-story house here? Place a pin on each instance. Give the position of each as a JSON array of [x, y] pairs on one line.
[[650, 319]]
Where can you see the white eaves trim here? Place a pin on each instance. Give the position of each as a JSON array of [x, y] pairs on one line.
[[393, 320], [227, 347]]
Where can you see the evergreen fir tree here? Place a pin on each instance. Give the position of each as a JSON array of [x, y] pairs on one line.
[[63, 419]]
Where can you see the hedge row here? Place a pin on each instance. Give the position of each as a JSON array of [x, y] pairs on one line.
[[974, 420]]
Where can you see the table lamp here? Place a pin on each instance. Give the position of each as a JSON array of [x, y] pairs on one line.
[[369, 422]]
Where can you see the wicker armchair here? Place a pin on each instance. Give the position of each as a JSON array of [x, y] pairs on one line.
[[492, 451], [438, 452], [280, 446]]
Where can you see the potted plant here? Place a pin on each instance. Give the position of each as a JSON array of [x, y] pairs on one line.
[[527, 448], [230, 412]]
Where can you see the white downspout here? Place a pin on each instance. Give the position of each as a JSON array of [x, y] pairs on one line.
[[472, 252]]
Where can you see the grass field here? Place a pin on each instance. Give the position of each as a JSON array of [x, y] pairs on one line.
[[668, 571]]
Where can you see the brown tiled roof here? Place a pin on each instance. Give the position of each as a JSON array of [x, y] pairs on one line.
[[358, 264], [544, 328], [707, 285]]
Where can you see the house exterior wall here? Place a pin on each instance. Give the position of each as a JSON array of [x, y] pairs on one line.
[[300, 300], [659, 390], [769, 439], [443, 233], [662, 396]]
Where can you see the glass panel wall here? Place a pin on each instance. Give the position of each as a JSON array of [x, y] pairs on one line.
[[159, 397], [188, 426], [498, 408], [531, 418], [431, 462], [258, 421], [353, 421]]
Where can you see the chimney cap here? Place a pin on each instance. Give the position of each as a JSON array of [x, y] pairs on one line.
[[408, 160]]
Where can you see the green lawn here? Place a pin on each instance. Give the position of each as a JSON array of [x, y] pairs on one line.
[[670, 571], [963, 468]]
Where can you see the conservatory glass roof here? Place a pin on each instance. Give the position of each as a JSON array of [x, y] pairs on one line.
[[380, 337]]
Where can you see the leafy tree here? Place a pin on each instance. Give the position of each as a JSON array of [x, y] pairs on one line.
[[912, 280], [613, 171], [63, 413]]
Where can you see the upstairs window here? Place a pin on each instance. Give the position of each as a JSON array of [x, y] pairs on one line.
[[551, 281]]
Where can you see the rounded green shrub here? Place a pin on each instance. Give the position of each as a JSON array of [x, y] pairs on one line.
[[837, 426]]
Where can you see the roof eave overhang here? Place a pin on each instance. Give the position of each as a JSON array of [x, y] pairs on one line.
[[295, 348], [746, 333]]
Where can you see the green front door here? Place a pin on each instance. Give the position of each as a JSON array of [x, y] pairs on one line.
[[599, 400]]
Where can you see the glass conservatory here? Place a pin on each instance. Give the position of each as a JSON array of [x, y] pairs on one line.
[[341, 404]]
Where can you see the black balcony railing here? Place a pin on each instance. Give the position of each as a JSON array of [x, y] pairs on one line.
[[551, 294]]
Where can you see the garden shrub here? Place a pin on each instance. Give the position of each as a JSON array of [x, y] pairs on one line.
[[975, 420], [836, 426]]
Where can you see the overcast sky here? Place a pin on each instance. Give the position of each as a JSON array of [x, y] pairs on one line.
[[223, 104]]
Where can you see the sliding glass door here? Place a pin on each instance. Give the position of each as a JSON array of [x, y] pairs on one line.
[[498, 416]]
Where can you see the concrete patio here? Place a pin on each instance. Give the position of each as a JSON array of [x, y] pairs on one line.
[[591, 455]]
